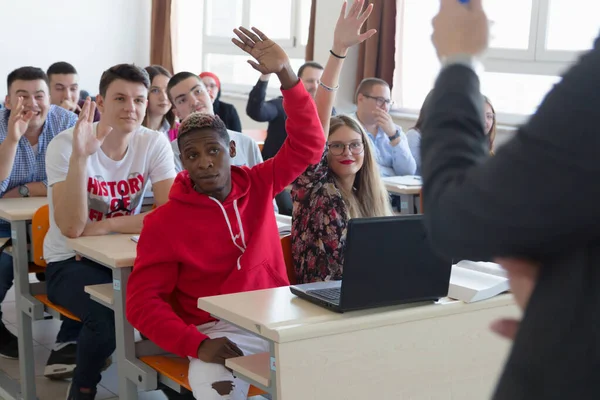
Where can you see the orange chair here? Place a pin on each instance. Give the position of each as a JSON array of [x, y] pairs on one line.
[[286, 246], [40, 224], [176, 369], [261, 145]]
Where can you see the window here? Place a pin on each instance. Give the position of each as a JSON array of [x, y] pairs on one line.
[[204, 37], [533, 41]]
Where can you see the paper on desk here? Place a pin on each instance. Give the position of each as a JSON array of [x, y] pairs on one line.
[[407, 180], [446, 300], [135, 238]]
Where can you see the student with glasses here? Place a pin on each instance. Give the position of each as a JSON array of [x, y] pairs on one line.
[[392, 152], [346, 183]]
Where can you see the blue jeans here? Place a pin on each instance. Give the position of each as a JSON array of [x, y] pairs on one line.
[[96, 342], [6, 267], [69, 329]]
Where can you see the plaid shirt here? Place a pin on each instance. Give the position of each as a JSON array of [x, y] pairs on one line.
[[27, 167]]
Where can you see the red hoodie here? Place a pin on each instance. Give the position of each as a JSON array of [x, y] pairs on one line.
[[195, 246]]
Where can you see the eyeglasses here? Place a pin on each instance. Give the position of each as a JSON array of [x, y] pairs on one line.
[[380, 101], [337, 149]]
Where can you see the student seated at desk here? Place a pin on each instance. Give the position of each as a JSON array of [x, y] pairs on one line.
[[64, 88], [228, 241], [97, 176], [159, 114], [373, 105], [414, 134], [345, 184], [188, 94], [27, 124]]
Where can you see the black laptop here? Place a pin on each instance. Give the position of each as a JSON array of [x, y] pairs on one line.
[[387, 261]]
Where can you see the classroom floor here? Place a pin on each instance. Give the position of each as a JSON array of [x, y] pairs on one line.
[[44, 334]]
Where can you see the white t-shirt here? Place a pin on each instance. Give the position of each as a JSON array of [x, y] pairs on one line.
[[114, 188]]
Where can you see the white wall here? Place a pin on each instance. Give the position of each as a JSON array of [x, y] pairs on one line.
[[93, 35]]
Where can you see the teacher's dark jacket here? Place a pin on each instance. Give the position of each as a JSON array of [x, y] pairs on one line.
[[537, 199]]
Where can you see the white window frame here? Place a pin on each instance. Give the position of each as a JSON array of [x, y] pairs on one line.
[[535, 60], [222, 45]]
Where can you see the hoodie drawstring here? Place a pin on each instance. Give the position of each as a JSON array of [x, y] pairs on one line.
[[234, 237]]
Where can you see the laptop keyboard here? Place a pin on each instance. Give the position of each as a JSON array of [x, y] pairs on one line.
[[330, 294]]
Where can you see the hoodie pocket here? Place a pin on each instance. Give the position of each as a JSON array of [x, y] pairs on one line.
[[260, 276]]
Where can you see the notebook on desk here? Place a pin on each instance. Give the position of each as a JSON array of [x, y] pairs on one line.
[[388, 261], [406, 180], [472, 281]]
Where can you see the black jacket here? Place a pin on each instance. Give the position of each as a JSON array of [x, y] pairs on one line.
[[228, 114], [268, 111], [537, 198]]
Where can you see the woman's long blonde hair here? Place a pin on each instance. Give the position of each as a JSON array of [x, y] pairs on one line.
[[369, 197], [492, 133]]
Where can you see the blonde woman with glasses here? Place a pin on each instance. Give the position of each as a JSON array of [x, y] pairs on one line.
[[346, 183]]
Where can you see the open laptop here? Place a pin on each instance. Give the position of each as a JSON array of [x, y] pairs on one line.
[[387, 261]]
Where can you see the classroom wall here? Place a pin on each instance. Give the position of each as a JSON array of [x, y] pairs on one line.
[[92, 35]]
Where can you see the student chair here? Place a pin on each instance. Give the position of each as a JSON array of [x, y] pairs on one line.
[[421, 201], [286, 246], [39, 227], [176, 368]]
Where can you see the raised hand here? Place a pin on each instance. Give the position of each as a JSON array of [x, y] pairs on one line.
[[460, 29], [85, 141], [270, 56], [347, 29], [18, 121]]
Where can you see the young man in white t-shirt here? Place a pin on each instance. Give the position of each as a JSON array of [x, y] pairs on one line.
[[97, 176]]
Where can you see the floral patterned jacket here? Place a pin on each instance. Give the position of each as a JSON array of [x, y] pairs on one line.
[[319, 225]]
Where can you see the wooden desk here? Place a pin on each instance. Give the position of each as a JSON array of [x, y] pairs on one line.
[[13, 210], [19, 213], [118, 253], [112, 251], [401, 352]]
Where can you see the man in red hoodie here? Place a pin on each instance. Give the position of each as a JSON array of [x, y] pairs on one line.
[[228, 240]]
